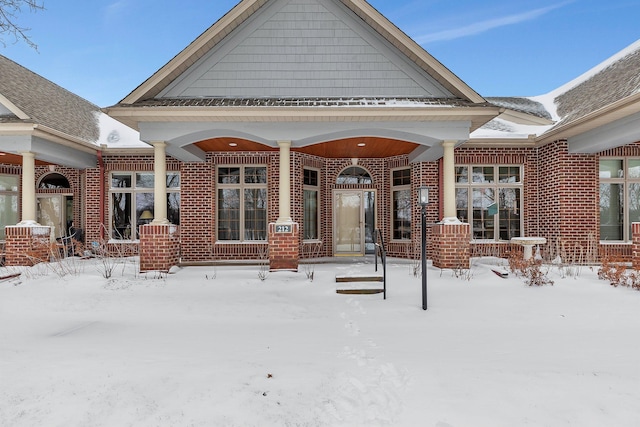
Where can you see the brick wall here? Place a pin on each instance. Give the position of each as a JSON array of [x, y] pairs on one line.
[[284, 248], [197, 202], [27, 245], [450, 245], [159, 247]]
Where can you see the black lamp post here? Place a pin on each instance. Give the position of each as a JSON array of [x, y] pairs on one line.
[[423, 200]]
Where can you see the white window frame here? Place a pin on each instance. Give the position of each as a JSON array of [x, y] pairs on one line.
[[496, 185], [14, 195], [625, 180], [395, 188], [241, 186], [316, 189], [134, 190]]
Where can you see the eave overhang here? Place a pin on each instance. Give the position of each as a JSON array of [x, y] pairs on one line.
[[133, 116], [48, 144], [593, 132]]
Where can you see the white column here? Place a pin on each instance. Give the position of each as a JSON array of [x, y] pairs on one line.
[[284, 213], [160, 183], [449, 182], [28, 188]]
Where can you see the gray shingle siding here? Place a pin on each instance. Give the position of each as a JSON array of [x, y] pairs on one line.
[[304, 48]]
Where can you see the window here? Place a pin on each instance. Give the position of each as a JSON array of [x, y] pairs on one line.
[[242, 203], [490, 199], [619, 197], [354, 175], [54, 181], [8, 202], [401, 204], [131, 201], [311, 200]]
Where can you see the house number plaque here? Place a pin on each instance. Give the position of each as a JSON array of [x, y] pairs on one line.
[[283, 228]]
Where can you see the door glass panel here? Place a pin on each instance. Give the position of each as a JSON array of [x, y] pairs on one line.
[[50, 214], [348, 228]]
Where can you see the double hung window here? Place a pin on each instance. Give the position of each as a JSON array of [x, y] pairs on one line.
[[242, 203], [490, 199]]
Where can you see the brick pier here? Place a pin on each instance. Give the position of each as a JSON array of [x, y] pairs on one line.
[[159, 247], [284, 246]]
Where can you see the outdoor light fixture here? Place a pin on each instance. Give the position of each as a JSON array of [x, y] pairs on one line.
[[423, 196], [423, 201]]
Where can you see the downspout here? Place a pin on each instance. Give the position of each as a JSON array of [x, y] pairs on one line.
[[102, 198]]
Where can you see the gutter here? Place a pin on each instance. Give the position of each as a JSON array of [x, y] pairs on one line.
[[102, 195]]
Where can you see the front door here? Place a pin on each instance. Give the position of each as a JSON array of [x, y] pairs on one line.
[[354, 222], [56, 212]]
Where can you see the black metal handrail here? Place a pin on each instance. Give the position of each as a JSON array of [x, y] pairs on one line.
[[383, 257]]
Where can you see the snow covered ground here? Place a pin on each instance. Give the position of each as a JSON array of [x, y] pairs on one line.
[[216, 346]]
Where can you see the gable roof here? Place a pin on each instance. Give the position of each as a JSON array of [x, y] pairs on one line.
[[31, 98], [214, 37]]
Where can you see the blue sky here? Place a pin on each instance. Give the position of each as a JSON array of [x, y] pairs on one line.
[[102, 50]]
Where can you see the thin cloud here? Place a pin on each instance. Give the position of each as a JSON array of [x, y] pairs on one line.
[[481, 27], [115, 10]]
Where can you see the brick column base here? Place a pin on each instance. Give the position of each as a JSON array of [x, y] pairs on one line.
[[635, 247], [451, 245], [159, 247], [284, 246], [27, 245]]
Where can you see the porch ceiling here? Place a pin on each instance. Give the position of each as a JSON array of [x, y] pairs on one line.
[[15, 159], [344, 148]]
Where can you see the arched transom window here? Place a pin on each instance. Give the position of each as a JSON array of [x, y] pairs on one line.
[[354, 175]]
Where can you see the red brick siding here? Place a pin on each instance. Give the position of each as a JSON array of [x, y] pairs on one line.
[[27, 245], [159, 247], [284, 248], [451, 247]]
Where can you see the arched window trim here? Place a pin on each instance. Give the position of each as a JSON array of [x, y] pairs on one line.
[[348, 179], [64, 181]]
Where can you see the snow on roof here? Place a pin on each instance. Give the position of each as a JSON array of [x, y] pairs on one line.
[[613, 79], [114, 134]]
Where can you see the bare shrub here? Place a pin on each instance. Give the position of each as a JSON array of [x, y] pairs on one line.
[[311, 251], [263, 271], [615, 271], [108, 256], [532, 270]]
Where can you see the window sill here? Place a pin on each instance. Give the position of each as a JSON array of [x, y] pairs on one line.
[[615, 242]]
